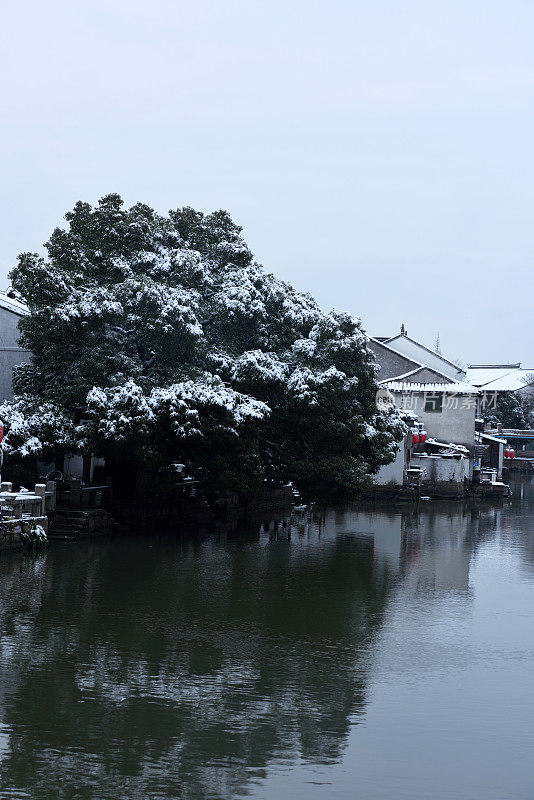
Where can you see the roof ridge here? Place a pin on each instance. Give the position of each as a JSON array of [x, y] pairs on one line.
[[496, 366], [397, 352], [404, 374], [418, 369], [428, 349]]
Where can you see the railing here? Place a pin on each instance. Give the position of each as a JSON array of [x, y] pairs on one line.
[[74, 493], [17, 505], [95, 496], [517, 433]]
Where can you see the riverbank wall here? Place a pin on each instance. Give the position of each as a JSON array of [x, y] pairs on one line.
[[197, 512], [15, 533], [519, 465], [443, 490], [67, 524]]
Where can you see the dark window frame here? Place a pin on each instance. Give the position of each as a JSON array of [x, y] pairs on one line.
[[433, 402]]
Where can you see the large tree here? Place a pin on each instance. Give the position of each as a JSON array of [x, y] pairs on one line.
[[159, 338]]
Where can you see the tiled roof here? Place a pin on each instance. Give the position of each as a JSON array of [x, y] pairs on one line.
[[16, 306], [397, 336], [422, 368], [499, 378], [454, 387]]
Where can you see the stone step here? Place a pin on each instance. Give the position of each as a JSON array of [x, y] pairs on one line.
[[65, 514], [68, 525], [75, 531], [63, 535]]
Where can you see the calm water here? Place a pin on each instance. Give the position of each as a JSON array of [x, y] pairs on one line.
[[370, 655]]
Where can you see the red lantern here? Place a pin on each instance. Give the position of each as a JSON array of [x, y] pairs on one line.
[[507, 453], [422, 437], [415, 438], [512, 453]]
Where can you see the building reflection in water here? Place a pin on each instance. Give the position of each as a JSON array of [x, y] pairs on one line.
[[163, 667]]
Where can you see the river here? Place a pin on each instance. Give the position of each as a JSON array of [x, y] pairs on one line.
[[352, 654]]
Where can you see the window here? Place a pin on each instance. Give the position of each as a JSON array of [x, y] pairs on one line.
[[433, 401]]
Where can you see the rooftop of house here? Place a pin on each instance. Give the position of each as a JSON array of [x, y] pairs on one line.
[[488, 436], [411, 376], [453, 387], [495, 366], [390, 342], [406, 358], [500, 377], [12, 303]]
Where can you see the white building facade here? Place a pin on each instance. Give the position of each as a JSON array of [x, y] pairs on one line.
[[11, 353], [447, 410]]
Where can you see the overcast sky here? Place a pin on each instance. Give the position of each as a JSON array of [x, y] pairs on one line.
[[377, 154]]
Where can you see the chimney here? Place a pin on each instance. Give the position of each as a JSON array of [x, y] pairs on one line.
[[404, 332]]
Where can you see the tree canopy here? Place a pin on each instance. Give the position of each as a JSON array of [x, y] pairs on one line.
[[159, 338], [512, 411]]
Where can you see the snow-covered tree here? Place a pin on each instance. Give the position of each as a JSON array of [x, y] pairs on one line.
[[512, 410], [158, 338]]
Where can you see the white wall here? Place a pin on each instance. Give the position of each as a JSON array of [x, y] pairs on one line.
[[439, 469], [73, 467], [392, 474], [449, 425], [10, 353]]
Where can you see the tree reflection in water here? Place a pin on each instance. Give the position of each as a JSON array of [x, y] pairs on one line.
[[169, 668]]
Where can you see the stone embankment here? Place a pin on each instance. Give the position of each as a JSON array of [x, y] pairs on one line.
[[520, 465], [15, 533], [70, 524], [437, 491]]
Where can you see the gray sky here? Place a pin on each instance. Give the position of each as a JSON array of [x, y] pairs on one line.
[[377, 154]]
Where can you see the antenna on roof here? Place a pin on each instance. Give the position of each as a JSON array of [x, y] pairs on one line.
[[404, 332]]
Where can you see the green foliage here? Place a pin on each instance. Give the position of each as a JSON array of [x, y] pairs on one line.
[[512, 411], [33, 533], [159, 338]]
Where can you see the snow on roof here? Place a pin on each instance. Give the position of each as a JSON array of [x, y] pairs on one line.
[[11, 304], [404, 375], [492, 438], [500, 378], [479, 376], [448, 445], [383, 343], [453, 387], [511, 383], [423, 367], [424, 347], [514, 433], [420, 366], [495, 366]]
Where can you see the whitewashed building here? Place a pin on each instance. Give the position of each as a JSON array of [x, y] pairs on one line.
[[447, 409], [422, 355], [11, 353], [428, 384]]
